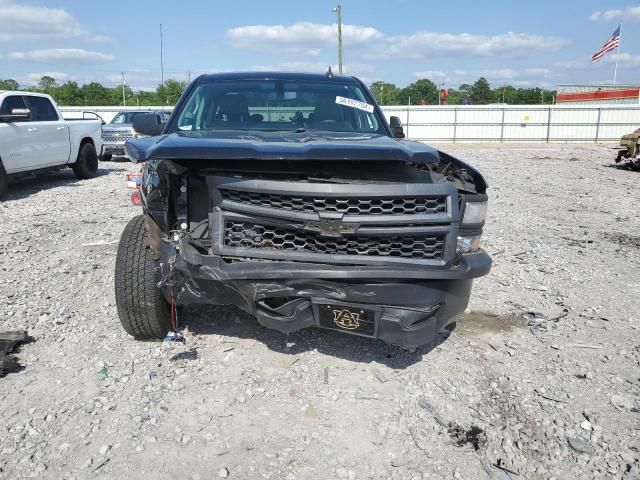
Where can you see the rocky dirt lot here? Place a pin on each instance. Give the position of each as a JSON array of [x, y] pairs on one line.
[[539, 380]]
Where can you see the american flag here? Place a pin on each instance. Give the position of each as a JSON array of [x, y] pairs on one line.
[[611, 44]]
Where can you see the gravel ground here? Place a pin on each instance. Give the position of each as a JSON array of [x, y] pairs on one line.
[[539, 380]]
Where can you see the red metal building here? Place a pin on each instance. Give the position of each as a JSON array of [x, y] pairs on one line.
[[598, 94]]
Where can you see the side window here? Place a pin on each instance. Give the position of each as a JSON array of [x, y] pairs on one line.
[[10, 103], [42, 110], [190, 119]]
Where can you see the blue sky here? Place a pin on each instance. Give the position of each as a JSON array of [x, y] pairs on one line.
[[541, 43]]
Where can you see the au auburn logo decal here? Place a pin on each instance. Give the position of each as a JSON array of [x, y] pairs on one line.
[[346, 319]]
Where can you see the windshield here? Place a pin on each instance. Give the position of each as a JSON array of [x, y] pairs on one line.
[[276, 105], [126, 117]]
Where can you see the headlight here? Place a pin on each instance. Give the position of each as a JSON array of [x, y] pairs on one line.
[[474, 213], [469, 244]]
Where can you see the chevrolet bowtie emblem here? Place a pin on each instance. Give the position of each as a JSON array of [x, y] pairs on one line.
[[328, 227], [346, 319]]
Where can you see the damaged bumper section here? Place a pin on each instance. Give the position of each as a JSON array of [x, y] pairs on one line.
[[402, 306], [378, 261]]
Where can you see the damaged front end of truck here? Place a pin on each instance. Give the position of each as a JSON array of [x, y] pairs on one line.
[[365, 234]]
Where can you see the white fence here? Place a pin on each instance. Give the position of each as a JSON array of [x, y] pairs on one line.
[[499, 123], [517, 123]]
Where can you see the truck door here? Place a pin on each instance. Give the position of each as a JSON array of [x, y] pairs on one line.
[[50, 133], [16, 148]]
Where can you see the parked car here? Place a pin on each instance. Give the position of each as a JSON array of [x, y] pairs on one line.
[[291, 197], [119, 130], [34, 136]]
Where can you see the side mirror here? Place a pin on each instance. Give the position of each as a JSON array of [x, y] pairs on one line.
[[15, 115], [396, 127], [147, 124]]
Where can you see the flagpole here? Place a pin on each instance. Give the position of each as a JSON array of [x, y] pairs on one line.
[[615, 70]]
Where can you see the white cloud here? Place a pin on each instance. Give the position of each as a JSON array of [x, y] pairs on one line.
[[519, 78], [34, 77], [534, 76], [313, 67], [584, 64], [141, 78], [307, 67], [28, 22], [56, 55], [428, 44], [625, 59], [431, 74], [630, 13], [303, 37], [511, 74]]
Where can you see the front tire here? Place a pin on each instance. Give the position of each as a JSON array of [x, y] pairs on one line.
[[143, 311], [4, 181], [86, 165]]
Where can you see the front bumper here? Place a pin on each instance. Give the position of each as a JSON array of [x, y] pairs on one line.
[[116, 149], [410, 304], [293, 253]]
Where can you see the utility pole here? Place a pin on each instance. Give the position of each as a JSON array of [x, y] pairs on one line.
[[124, 96], [338, 11], [189, 75], [161, 60]]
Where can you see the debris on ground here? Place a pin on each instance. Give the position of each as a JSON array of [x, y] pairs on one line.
[[9, 342]]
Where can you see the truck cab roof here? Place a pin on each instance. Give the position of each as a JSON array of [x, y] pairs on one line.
[[298, 76], [25, 94]]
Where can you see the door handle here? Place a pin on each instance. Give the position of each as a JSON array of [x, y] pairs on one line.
[[60, 128], [32, 129]]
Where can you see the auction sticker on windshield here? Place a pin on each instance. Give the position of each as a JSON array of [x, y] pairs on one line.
[[349, 102]]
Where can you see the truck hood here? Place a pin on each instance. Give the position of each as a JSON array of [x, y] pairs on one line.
[[251, 145]]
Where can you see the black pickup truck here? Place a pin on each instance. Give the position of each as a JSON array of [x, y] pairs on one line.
[[291, 197]]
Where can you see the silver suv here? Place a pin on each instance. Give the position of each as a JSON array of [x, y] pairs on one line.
[[119, 130]]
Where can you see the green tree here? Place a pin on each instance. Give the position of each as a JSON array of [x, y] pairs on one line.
[[145, 98], [47, 85], [9, 84], [385, 93], [481, 92], [69, 93], [422, 90], [505, 94], [455, 97], [95, 94], [534, 96], [464, 92], [169, 93], [115, 95]]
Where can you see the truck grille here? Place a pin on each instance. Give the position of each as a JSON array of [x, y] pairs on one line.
[[115, 138], [267, 237], [416, 205]]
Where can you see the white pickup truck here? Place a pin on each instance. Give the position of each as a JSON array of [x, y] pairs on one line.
[[34, 136]]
